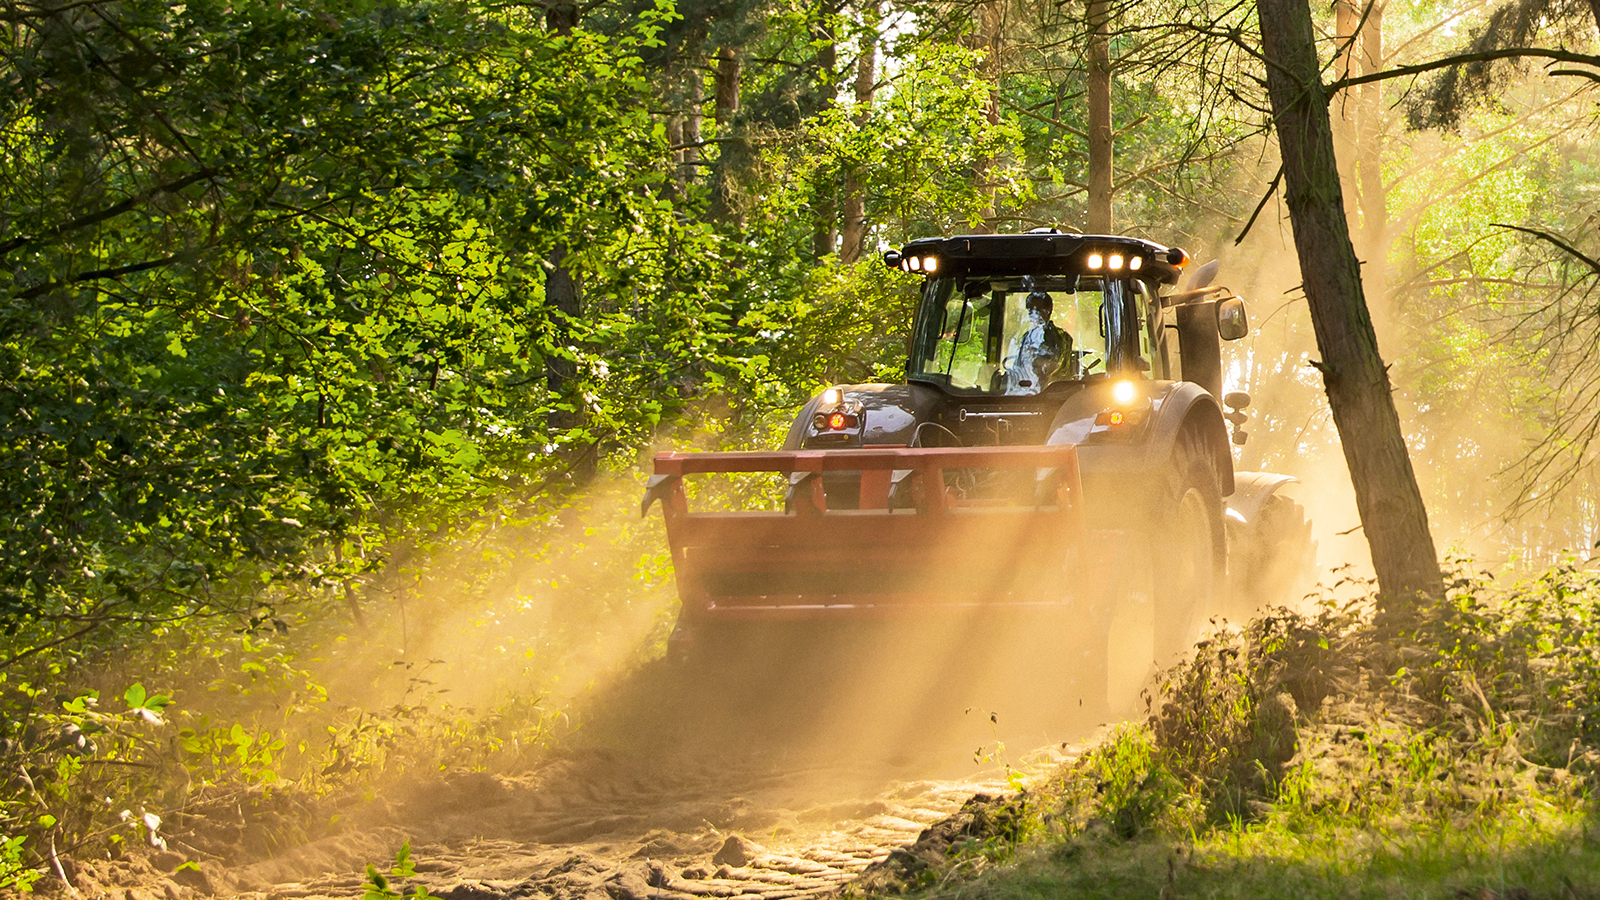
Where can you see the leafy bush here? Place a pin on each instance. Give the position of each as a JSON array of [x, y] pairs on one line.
[[1324, 749], [1441, 708]]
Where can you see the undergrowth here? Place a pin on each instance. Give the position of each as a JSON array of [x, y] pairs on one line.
[[215, 740], [1445, 750], [227, 737]]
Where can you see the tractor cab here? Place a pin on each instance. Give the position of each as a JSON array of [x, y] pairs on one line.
[[1022, 335], [1009, 327]]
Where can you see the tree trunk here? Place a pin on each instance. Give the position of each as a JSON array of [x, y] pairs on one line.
[[1354, 376], [854, 231], [675, 140], [989, 38], [561, 295], [730, 157], [691, 134], [1346, 108], [1100, 135], [825, 232], [561, 16], [729, 67], [1369, 164]]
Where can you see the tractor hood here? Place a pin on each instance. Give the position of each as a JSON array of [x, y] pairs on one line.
[[874, 414]]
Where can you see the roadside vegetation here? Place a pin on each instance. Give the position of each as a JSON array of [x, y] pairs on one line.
[[1451, 752]]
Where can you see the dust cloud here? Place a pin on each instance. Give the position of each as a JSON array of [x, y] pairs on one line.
[[554, 633]]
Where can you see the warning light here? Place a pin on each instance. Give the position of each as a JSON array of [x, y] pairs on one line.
[[836, 421], [1118, 417]]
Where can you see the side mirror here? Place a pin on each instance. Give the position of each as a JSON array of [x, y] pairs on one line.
[[891, 258], [1231, 321]]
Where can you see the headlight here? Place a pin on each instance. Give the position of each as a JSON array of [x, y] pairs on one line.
[[1124, 393]]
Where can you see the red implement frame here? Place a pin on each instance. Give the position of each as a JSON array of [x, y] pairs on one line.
[[813, 562]]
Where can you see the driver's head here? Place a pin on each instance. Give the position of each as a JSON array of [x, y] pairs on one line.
[[1040, 302]]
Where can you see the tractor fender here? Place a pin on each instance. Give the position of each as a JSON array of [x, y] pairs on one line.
[[890, 414], [1190, 406], [1251, 490], [1175, 405]]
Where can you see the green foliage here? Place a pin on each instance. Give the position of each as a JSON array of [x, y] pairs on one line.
[[1332, 755], [1134, 791], [14, 872], [332, 335], [378, 886], [289, 411]]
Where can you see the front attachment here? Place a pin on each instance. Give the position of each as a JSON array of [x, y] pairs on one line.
[[929, 548]]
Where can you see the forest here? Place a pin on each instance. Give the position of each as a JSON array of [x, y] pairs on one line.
[[336, 338]]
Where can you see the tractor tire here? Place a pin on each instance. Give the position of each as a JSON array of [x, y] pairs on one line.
[[1173, 576], [1188, 547], [1275, 561]]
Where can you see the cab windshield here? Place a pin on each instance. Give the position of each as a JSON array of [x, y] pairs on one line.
[[1016, 335]]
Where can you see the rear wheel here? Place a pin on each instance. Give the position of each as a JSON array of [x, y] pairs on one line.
[[1275, 558]]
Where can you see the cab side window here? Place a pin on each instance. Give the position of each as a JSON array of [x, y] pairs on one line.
[[1151, 344]]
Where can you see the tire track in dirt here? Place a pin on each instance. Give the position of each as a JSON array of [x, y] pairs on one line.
[[767, 829], [770, 782]]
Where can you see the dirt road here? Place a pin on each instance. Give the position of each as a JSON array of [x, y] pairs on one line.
[[768, 781], [613, 830]]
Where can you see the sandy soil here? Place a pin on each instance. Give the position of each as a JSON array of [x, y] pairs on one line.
[[778, 777]]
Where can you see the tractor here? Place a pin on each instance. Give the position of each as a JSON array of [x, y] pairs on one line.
[[1061, 440]]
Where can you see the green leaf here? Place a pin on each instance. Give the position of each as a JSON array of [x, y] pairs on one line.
[[402, 862], [377, 885]]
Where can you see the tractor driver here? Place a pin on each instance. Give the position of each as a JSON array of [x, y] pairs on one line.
[[1041, 349]]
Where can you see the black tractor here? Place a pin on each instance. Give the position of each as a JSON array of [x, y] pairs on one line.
[[1051, 338]]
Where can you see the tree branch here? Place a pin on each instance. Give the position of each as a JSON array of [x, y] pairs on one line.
[[1271, 189], [110, 211], [1463, 58], [1594, 266], [113, 272], [22, 12]]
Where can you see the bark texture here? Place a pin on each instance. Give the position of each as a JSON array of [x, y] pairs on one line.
[[1357, 382], [561, 293], [853, 234], [731, 154], [1345, 108], [990, 38], [1369, 163], [1099, 99]]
